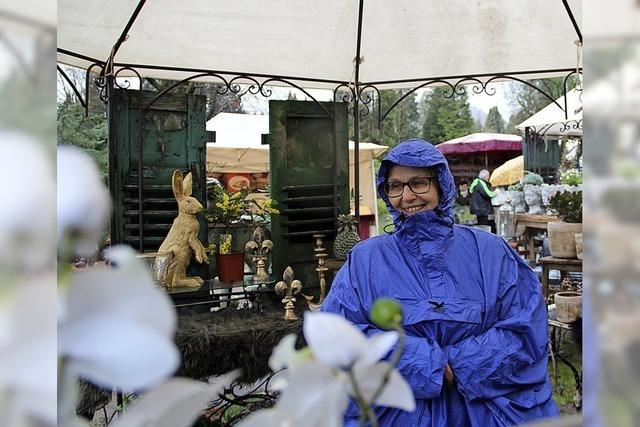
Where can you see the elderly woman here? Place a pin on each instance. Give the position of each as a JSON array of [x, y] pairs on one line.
[[476, 324]]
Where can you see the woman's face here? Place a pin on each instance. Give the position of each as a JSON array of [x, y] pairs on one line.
[[410, 203]]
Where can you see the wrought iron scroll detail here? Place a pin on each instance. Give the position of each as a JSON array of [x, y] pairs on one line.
[[460, 87], [366, 100], [368, 97], [100, 82], [126, 83], [233, 86], [257, 397]]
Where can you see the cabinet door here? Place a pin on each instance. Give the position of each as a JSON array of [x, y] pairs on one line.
[[309, 174]]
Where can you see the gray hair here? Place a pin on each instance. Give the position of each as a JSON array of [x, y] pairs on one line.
[[484, 174]]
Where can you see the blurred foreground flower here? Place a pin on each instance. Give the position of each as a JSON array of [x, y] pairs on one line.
[[116, 326], [340, 361], [28, 352], [28, 195], [83, 203], [176, 403]]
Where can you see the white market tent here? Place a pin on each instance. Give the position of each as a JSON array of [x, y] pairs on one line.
[[551, 119], [238, 149]]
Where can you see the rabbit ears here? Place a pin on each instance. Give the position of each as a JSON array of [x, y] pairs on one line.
[[182, 188]]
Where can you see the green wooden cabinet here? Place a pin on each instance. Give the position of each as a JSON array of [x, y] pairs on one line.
[[309, 160]]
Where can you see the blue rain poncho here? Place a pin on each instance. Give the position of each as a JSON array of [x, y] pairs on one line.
[[468, 300]]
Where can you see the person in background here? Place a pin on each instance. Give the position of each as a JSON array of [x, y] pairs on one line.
[[462, 198], [481, 195], [476, 344], [461, 207]]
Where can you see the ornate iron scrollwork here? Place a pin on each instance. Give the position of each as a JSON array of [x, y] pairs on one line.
[[238, 396]]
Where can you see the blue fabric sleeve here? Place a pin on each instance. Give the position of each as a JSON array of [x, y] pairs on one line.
[[422, 362], [512, 354]]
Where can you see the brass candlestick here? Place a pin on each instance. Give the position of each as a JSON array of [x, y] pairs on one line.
[[289, 287], [320, 256]]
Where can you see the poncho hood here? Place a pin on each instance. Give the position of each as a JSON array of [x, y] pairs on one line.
[[421, 154]]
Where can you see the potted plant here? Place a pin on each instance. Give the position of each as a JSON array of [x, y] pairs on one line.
[[568, 301], [568, 206], [231, 217]]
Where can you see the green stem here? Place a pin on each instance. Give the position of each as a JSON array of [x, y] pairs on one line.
[[395, 358], [366, 412]]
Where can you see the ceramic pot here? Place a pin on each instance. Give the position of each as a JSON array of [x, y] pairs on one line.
[[568, 306], [562, 241], [230, 267]]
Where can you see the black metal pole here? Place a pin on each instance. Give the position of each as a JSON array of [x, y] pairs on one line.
[[111, 136], [573, 20], [356, 120]]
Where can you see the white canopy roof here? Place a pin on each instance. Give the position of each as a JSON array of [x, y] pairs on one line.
[[551, 119], [401, 40]]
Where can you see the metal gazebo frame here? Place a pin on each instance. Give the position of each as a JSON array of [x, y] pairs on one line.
[[358, 95]]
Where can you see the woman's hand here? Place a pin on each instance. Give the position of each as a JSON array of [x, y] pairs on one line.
[[448, 376]]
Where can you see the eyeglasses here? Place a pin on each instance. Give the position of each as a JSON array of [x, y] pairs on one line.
[[416, 185]]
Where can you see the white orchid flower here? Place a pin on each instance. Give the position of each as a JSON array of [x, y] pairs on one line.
[[28, 195], [285, 354], [116, 325], [176, 403], [336, 342], [83, 203], [315, 397], [317, 391], [28, 352]]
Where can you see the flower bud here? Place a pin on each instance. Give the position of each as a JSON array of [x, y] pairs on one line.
[[386, 313]]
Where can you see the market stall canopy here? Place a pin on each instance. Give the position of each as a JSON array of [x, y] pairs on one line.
[[225, 157], [510, 172], [481, 143], [314, 43], [551, 119], [238, 147]]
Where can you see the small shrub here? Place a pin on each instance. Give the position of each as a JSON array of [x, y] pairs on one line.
[[568, 206], [571, 177], [532, 178]]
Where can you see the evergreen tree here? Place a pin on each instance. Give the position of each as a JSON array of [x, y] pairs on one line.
[[494, 123], [88, 133], [445, 118], [403, 122]]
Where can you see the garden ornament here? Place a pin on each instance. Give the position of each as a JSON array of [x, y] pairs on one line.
[[288, 287], [533, 198], [257, 253], [517, 201], [182, 241]]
